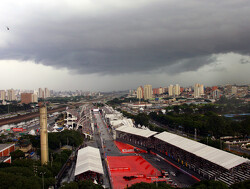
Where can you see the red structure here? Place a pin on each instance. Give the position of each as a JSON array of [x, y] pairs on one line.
[[128, 170], [127, 148], [214, 88], [26, 98], [5, 150], [156, 91]]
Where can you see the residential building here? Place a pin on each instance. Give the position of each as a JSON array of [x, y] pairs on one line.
[[147, 92], [170, 90], [161, 90], [177, 90], [40, 93], [155, 91], [140, 92], [234, 90], [216, 94], [201, 89], [46, 93], [2, 95], [35, 97], [27, 98], [11, 95], [198, 90]]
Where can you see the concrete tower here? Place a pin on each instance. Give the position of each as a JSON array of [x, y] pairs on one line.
[[44, 135]]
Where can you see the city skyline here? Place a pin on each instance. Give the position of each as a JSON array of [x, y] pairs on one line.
[[118, 45]]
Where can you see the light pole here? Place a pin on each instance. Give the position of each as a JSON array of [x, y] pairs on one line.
[[43, 173]]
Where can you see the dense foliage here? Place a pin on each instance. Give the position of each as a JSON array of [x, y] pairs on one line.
[[98, 104], [18, 154], [145, 185], [143, 119], [121, 100], [25, 173], [200, 185], [206, 124], [4, 109], [64, 100], [86, 184], [56, 140]]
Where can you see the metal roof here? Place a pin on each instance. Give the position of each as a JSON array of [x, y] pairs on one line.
[[216, 156], [136, 131], [88, 159]]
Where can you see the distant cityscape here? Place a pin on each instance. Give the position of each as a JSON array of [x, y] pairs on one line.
[[146, 92], [175, 93], [32, 96]]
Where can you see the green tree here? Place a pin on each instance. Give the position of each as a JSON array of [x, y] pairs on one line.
[[209, 185], [241, 185], [150, 186], [17, 154]]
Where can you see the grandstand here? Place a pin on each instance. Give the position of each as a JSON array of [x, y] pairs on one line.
[[208, 162]]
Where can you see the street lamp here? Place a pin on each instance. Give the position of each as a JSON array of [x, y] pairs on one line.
[[43, 173]]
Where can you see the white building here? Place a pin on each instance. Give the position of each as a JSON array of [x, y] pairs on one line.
[[72, 118]]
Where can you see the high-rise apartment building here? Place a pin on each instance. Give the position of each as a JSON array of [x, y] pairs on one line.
[[216, 94], [196, 90], [201, 89], [161, 90], [40, 93], [46, 93], [140, 92], [147, 92], [27, 98], [2, 95], [177, 90], [170, 90], [234, 90], [34, 97], [11, 95]]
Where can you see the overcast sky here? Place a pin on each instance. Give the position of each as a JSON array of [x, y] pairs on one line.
[[104, 45]]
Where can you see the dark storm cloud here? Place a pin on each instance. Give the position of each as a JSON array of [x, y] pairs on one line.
[[181, 34]]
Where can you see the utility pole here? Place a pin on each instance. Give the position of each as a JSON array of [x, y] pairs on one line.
[[51, 158], [43, 173], [195, 134], [220, 144]]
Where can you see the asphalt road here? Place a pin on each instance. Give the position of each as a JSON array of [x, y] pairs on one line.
[[181, 179]]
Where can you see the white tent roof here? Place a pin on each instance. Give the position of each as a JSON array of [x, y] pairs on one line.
[[216, 156], [122, 122], [32, 132], [88, 159], [136, 131]]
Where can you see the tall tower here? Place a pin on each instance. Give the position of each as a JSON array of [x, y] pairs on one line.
[[139, 92], [11, 95], [177, 90], [170, 90], [147, 92], [197, 90], [44, 135]]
